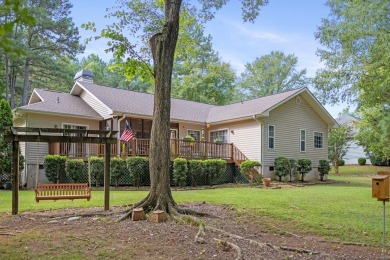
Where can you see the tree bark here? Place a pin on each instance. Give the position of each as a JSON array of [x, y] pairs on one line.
[[26, 82], [163, 48]]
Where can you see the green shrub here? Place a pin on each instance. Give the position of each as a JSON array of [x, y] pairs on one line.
[[215, 168], [248, 170], [54, 166], [340, 162], [96, 165], [282, 167], [303, 167], [292, 168], [196, 170], [117, 169], [362, 161], [180, 169], [138, 168], [74, 169], [189, 138], [323, 168]]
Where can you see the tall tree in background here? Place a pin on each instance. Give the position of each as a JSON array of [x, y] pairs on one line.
[[198, 72], [338, 145], [47, 45], [357, 61], [271, 74], [162, 45]]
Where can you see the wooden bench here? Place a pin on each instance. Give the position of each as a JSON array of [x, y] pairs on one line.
[[66, 191]]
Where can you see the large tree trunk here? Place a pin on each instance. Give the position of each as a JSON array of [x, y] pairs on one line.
[[163, 48]]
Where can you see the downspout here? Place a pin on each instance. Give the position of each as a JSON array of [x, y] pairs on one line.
[[261, 143], [118, 142]]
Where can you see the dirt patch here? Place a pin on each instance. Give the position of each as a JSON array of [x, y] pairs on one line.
[[93, 234]]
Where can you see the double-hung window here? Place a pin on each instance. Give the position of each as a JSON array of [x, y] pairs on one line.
[[195, 134], [221, 135], [318, 140], [271, 136], [303, 140]]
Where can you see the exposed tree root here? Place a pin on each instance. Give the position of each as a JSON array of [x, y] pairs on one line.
[[298, 250], [286, 248], [227, 244], [198, 237], [169, 207], [342, 243], [292, 234]]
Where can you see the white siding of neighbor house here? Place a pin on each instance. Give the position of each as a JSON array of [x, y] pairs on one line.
[[355, 151], [50, 121], [288, 119], [246, 137], [96, 105]]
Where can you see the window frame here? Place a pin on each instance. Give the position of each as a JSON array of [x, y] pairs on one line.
[[300, 140], [220, 130], [199, 133], [273, 137], [314, 140]]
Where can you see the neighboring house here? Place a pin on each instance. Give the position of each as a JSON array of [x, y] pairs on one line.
[[355, 151], [291, 124]]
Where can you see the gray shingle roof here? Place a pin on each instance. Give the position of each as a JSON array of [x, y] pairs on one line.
[[67, 105], [125, 101], [248, 108], [137, 103]]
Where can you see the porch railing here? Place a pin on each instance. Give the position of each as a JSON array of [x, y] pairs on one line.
[[141, 147]]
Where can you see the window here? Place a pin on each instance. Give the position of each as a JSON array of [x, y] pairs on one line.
[[271, 136], [318, 140], [219, 135], [303, 140], [195, 134]]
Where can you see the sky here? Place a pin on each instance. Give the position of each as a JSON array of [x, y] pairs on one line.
[[283, 25]]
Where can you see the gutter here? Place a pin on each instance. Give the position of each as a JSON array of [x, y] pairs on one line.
[[261, 142], [119, 135]]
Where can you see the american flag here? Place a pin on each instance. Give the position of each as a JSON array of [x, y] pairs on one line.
[[127, 134]]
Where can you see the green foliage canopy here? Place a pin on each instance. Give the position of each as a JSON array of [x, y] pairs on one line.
[[272, 73]]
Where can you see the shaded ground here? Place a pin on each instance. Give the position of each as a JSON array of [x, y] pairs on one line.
[[96, 235]]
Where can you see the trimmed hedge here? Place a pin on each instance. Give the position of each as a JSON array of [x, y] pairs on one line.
[[247, 169], [196, 171], [180, 169], [138, 168], [214, 169], [54, 166], [117, 168], [74, 169], [96, 165]]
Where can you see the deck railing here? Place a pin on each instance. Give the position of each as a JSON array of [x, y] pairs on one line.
[[141, 147]]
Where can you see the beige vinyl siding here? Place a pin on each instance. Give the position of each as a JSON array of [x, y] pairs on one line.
[[50, 121], [246, 137], [289, 119], [96, 105], [183, 127]]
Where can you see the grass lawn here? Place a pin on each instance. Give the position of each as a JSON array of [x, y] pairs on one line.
[[360, 169], [343, 211]]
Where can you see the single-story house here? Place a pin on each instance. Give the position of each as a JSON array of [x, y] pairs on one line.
[[291, 124], [355, 150]]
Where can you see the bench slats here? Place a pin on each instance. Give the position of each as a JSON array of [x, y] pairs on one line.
[[68, 191]]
